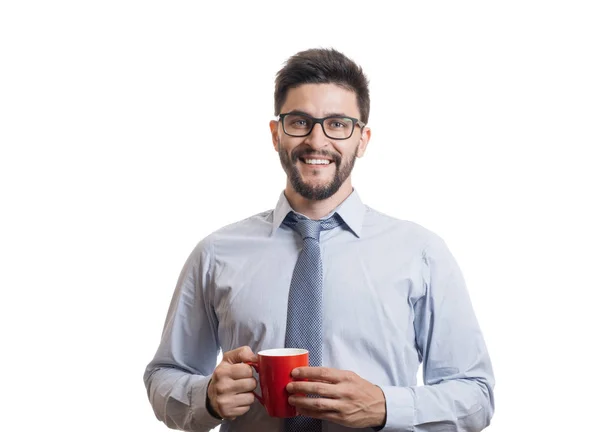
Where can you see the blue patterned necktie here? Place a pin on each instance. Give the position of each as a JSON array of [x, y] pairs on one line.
[[305, 304]]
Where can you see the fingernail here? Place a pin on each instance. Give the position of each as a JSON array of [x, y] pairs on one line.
[[295, 373]]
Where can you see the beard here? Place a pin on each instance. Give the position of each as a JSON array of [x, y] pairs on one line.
[[315, 192]]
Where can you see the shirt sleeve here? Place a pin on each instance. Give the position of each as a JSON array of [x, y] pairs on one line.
[[177, 377], [457, 394]]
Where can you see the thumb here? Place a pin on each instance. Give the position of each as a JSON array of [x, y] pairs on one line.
[[240, 355]]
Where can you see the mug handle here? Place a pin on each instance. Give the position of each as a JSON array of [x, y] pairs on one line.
[[255, 366]]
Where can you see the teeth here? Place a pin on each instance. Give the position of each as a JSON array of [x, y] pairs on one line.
[[317, 161]]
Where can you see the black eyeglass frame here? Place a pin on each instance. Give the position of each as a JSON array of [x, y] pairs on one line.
[[320, 121]]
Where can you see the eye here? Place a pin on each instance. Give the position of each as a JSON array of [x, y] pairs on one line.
[[338, 123], [297, 122]]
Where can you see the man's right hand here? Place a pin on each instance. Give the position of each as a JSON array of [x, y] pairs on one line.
[[230, 390]]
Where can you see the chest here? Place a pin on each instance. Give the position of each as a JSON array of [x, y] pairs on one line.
[[368, 293]]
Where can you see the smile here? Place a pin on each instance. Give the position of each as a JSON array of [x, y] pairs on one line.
[[315, 161]]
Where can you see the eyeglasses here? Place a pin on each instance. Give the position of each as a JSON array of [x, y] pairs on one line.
[[335, 127]]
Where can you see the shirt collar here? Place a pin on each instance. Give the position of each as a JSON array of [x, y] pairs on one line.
[[351, 210]]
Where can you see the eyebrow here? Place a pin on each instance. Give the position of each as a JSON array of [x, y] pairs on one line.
[[334, 114]]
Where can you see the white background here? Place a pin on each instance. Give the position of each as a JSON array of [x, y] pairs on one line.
[[120, 151]]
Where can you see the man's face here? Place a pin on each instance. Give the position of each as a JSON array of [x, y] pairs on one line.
[[318, 166]]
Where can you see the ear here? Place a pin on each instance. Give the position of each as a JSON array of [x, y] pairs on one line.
[[274, 125], [365, 137]]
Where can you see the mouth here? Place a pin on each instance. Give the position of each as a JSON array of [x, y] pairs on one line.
[[315, 162]]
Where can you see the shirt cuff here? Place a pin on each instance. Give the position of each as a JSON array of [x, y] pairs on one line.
[[201, 417], [400, 406]]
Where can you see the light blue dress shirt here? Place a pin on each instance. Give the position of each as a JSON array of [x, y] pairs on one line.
[[393, 297]]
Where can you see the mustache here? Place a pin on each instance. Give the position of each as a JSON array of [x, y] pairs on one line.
[[300, 152]]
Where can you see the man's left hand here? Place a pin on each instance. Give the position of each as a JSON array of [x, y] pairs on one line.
[[343, 397]]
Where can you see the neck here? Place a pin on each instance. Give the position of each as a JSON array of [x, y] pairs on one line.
[[316, 209]]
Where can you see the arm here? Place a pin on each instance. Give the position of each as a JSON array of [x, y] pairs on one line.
[[457, 396], [457, 372], [178, 376]]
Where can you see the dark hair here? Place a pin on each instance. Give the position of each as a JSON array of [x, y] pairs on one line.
[[323, 66]]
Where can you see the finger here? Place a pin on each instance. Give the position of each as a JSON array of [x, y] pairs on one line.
[[226, 372], [245, 385], [229, 401], [313, 387], [240, 355], [243, 399], [227, 386], [233, 405], [239, 411], [240, 371], [320, 405], [323, 374]]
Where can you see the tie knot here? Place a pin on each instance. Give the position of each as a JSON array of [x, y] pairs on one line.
[[309, 228]]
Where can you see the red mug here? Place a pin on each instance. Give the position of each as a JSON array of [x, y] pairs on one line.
[[274, 370]]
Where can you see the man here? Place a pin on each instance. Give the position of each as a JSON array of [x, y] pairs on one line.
[[375, 295]]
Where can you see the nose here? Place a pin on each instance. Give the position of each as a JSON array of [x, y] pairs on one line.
[[317, 138]]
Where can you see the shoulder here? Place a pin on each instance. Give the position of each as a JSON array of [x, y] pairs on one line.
[[252, 227], [406, 231], [257, 224]]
